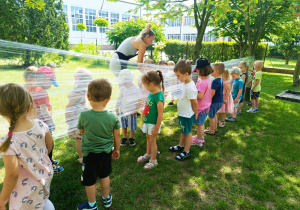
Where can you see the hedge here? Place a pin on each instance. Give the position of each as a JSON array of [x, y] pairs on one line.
[[213, 51]]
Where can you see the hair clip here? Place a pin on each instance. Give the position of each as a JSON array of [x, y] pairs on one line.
[[9, 133]]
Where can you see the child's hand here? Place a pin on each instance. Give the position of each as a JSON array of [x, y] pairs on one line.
[[2, 205], [155, 132], [196, 116], [236, 100], [133, 114], [225, 101], [115, 154]]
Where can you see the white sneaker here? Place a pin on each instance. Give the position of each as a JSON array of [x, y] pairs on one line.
[[250, 110]]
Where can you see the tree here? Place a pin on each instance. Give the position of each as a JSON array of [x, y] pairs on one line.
[[296, 80], [202, 10], [37, 4], [118, 32], [46, 27], [81, 27]]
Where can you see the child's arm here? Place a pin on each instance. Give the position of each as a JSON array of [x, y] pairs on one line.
[[200, 95], [194, 103], [227, 94], [213, 92], [119, 101], [255, 85], [73, 100], [116, 153], [243, 78], [160, 110], [47, 115], [238, 95], [49, 142], [11, 165]]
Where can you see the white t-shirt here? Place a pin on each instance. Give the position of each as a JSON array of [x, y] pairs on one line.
[[189, 91], [128, 98]]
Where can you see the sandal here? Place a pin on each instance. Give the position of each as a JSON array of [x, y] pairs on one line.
[[176, 148], [210, 132], [183, 156], [150, 165], [143, 158], [57, 169], [54, 162], [222, 124]]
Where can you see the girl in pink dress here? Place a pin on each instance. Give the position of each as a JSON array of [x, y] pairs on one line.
[[227, 106], [28, 169]]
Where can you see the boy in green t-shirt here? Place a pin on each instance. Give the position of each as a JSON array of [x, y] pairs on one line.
[[256, 86], [100, 130]]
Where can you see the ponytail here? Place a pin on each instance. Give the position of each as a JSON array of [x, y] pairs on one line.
[[13, 121], [161, 79]]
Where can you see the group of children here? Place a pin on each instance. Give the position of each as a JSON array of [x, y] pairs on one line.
[[27, 148]]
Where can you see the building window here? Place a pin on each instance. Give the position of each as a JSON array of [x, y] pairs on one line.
[[208, 38], [65, 10], [189, 37], [125, 17], [104, 15], [173, 23], [174, 36], [135, 16], [77, 17], [90, 16], [189, 21], [114, 18]]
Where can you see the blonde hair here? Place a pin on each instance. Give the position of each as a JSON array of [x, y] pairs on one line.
[[14, 101], [259, 63], [183, 66], [29, 72], [244, 63], [150, 61], [226, 74], [147, 31], [171, 63], [155, 77], [219, 66]]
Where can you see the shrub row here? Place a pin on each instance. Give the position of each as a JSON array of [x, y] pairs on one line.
[[213, 51]]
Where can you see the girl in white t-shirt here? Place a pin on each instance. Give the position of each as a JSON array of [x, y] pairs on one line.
[[77, 103], [24, 150]]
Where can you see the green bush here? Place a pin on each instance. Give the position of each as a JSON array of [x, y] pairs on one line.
[[213, 51], [90, 49]]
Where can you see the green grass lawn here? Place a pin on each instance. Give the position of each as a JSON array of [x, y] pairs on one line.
[[280, 63], [252, 163]]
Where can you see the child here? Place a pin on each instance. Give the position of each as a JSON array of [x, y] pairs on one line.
[[246, 90], [24, 150], [28, 76], [146, 67], [217, 97], [227, 106], [77, 103], [237, 89], [127, 105], [174, 83], [203, 86], [100, 129], [256, 86], [187, 109], [163, 67], [152, 115], [43, 79]]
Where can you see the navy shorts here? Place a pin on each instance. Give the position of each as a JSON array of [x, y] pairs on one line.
[[255, 95], [201, 117], [186, 124], [95, 165], [214, 107]]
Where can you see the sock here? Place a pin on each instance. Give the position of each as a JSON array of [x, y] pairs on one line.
[[92, 204]]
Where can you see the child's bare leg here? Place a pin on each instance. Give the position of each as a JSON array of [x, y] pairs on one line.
[[253, 104], [131, 134], [124, 132], [240, 106], [200, 131], [216, 122], [91, 193], [256, 103], [148, 144], [78, 148], [153, 147], [223, 117], [234, 113], [188, 142], [212, 124], [182, 140], [105, 186]]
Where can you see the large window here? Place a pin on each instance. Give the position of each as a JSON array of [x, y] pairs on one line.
[[104, 15], [90, 16], [189, 37], [114, 18], [77, 17], [135, 16], [173, 23], [65, 10], [125, 17], [174, 36], [189, 21], [208, 38]]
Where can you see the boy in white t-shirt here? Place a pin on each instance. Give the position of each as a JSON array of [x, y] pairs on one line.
[[187, 109], [127, 105]]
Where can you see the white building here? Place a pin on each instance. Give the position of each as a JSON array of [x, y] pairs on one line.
[[79, 11]]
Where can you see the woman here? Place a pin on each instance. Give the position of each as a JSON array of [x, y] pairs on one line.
[[129, 48]]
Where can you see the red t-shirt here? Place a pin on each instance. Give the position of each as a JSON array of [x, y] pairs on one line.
[[40, 97]]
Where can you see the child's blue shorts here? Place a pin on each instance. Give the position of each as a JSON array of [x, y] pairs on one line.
[[186, 124], [214, 107], [202, 117]]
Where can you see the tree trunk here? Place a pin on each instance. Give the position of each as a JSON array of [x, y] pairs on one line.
[[296, 80], [27, 58], [243, 47], [287, 59], [198, 46]]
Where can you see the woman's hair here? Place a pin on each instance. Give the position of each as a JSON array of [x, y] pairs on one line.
[[227, 75], [147, 31], [204, 71], [244, 63], [154, 76], [14, 101]]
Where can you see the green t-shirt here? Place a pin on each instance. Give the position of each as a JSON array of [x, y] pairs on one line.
[[98, 130], [258, 75], [150, 111]]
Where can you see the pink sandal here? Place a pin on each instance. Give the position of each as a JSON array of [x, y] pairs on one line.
[[150, 165], [143, 158]]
